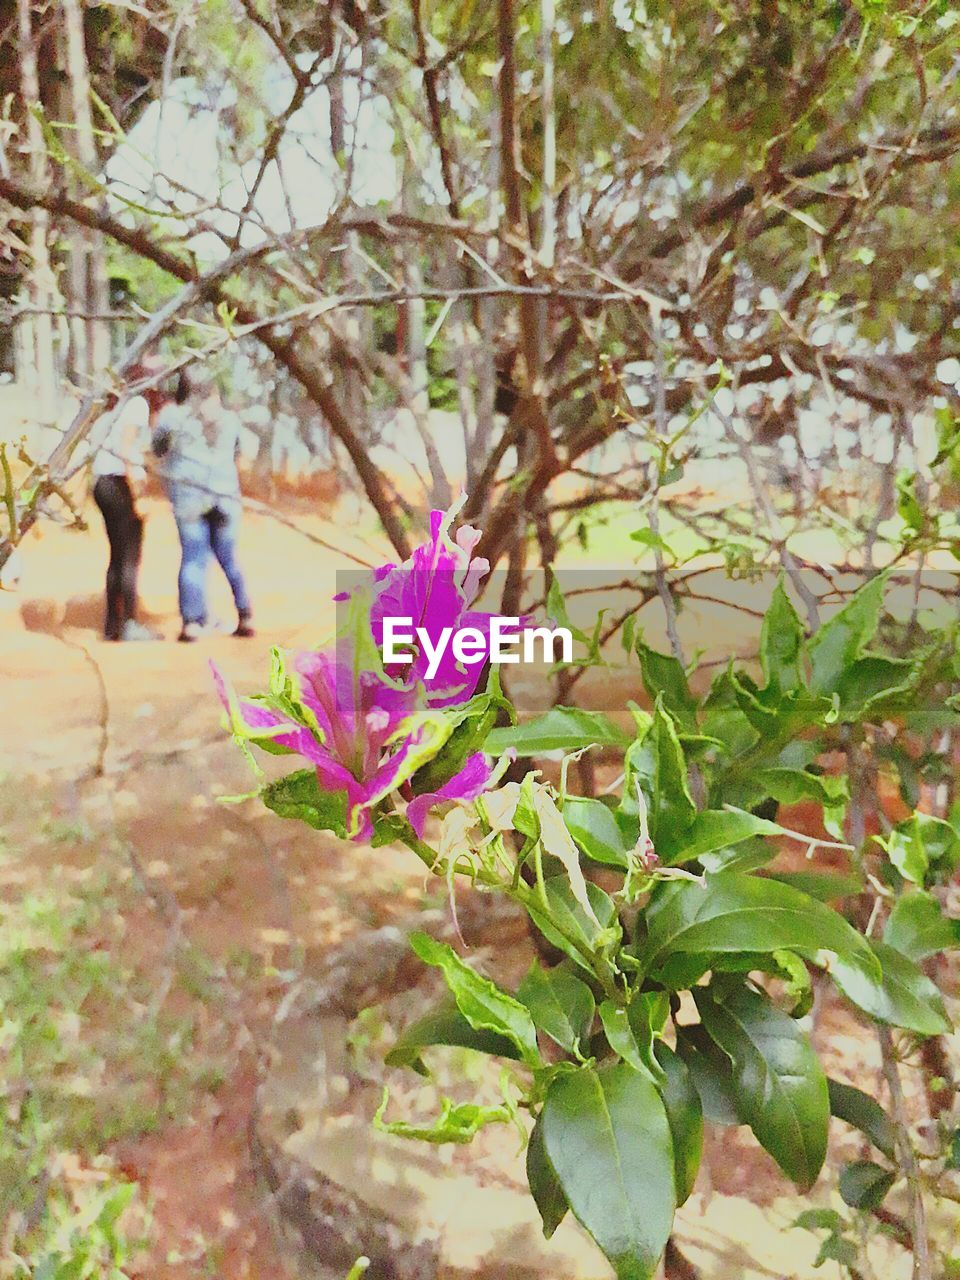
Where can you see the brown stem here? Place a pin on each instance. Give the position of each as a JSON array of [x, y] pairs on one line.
[[908, 1160]]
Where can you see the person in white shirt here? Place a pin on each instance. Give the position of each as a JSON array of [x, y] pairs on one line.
[[119, 442]]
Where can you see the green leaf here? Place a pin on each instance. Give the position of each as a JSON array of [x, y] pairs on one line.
[[481, 1002], [631, 1031], [298, 795], [788, 786], [681, 972], [657, 762], [731, 911], [606, 1135], [940, 842], [445, 1025], [818, 1220], [714, 829], [863, 1184], [903, 996], [748, 856], [842, 639], [922, 842], [781, 640], [684, 1116], [797, 983], [458, 1123], [858, 1109], [566, 914], [560, 1004], [780, 1086], [544, 1184], [875, 686], [525, 819], [709, 1070], [837, 1249], [595, 829], [559, 729], [731, 727], [557, 611], [664, 677], [822, 885], [647, 538], [909, 508], [917, 927]]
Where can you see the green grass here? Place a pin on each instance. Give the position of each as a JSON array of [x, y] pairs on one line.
[[89, 1054]]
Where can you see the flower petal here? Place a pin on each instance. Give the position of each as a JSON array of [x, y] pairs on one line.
[[465, 785]]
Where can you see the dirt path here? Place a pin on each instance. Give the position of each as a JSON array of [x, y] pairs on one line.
[[111, 759]]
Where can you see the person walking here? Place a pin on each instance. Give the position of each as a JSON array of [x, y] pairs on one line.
[[197, 441], [119, 441]]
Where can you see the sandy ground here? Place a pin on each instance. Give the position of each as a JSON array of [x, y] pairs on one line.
[[241, 881]]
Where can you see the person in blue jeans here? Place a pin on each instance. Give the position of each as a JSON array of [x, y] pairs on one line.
[[197, 441]]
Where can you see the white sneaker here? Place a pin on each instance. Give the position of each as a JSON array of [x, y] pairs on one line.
[[197, 630], [192, 631], [133, 630]]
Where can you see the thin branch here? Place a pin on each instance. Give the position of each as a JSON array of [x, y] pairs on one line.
[[908, 1161]]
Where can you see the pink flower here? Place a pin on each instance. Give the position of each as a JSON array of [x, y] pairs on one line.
[[367, 730], [435, 588]]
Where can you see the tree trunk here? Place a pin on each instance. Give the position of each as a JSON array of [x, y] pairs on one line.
[[38, 347], [88, 269]]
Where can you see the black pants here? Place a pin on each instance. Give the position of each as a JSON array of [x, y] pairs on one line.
[[125, 533]]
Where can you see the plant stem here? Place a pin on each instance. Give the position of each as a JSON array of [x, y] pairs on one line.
[[908, 1159], [522, 894]]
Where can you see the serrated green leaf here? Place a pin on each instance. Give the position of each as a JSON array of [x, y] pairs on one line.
[[457, 1122], [781, 641], [298, 795], [445, 1025], [481, 1002], [664, 677], [841, 640]]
